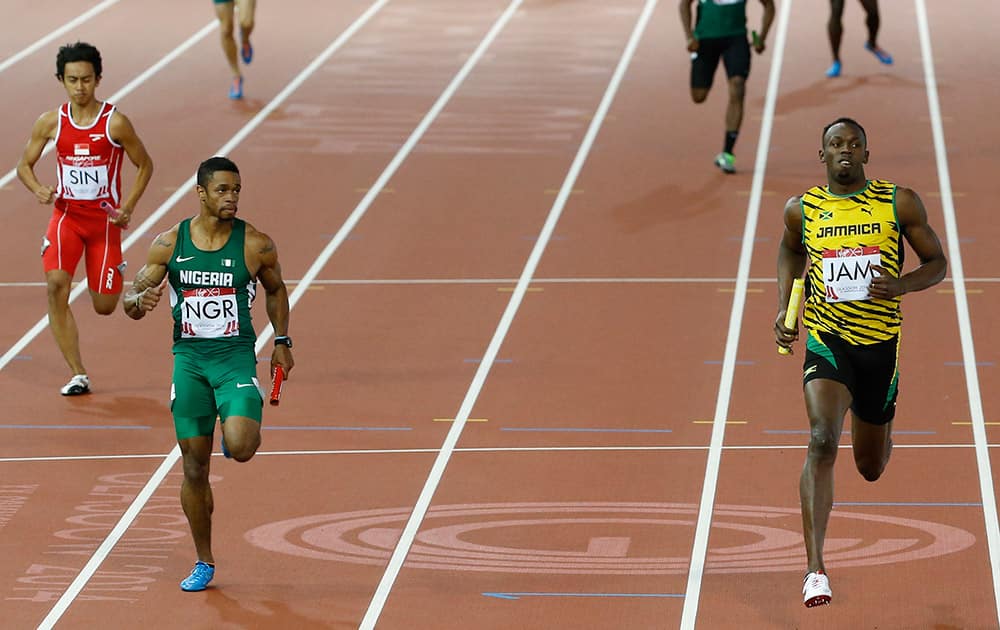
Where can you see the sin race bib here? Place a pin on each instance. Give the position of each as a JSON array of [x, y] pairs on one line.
[[85, 182], [209, 313], [848, 272]]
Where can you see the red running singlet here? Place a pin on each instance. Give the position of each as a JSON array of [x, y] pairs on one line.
[[88, 169], [89, 163]]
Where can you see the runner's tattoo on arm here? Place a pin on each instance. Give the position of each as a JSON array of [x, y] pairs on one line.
[[131, 301], [149, 277], [143, 280]]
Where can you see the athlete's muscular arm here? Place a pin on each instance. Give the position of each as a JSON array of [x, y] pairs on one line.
[[147, 288], [123, 133], [43, 130], [791, 264], [765, 22], [924, 241], [262, 254], [685, 9]]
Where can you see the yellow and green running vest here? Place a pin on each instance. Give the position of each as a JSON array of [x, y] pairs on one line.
[[211, 293], [844, 235]]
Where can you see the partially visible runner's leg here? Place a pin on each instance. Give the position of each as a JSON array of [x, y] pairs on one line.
[[198, 504], [224, 11], [245, 10]]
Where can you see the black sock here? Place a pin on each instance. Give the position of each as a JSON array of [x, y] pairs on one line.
[[730, 141]]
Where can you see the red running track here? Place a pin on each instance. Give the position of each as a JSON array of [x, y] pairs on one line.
[[569, 494]]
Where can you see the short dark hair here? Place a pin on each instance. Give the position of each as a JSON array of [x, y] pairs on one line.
[[208, 168], [847, 121], [80, 51]]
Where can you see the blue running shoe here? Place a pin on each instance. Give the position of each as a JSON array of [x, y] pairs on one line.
[[236, 89], [834, 70], [200, 576], [882, 55], [246, 51], [222, 443]]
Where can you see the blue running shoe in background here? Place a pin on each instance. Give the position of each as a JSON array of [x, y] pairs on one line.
[[200, 576], [246, 51], [834, 70], [236, 89], [882, 55]]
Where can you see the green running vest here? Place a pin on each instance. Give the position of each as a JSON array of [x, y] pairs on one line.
[[211, 293]]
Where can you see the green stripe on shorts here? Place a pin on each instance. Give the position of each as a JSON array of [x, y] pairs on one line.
[[814, 345]]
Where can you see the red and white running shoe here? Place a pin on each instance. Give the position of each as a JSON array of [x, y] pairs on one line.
[[816, 589]]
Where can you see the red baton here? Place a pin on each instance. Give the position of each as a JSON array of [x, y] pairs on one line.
[[276, 384]]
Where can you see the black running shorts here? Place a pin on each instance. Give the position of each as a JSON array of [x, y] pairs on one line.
[[871, 372], [734, 52]]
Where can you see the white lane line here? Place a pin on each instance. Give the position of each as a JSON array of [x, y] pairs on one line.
[[961, 306], [132, 85], [448, 447], [160, 474], [702, 529], [507, 281], [59, 32], [481, 449], [401, 155]]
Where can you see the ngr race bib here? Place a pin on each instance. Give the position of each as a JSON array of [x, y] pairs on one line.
[[209, 313]]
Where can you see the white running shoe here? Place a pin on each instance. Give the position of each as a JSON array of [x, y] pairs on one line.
[[77, 385], [816, 589]]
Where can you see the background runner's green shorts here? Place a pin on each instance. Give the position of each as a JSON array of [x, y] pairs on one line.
[[207, 385]]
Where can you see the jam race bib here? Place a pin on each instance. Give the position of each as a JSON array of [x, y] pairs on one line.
[[847, 272], [209, 313]]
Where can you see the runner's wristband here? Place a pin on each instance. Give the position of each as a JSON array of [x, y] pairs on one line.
[[283, 340]]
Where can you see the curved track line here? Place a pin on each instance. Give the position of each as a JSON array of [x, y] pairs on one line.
[[961, 305], [441, 461], [68, 26], [161, 472], [700, 545]]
